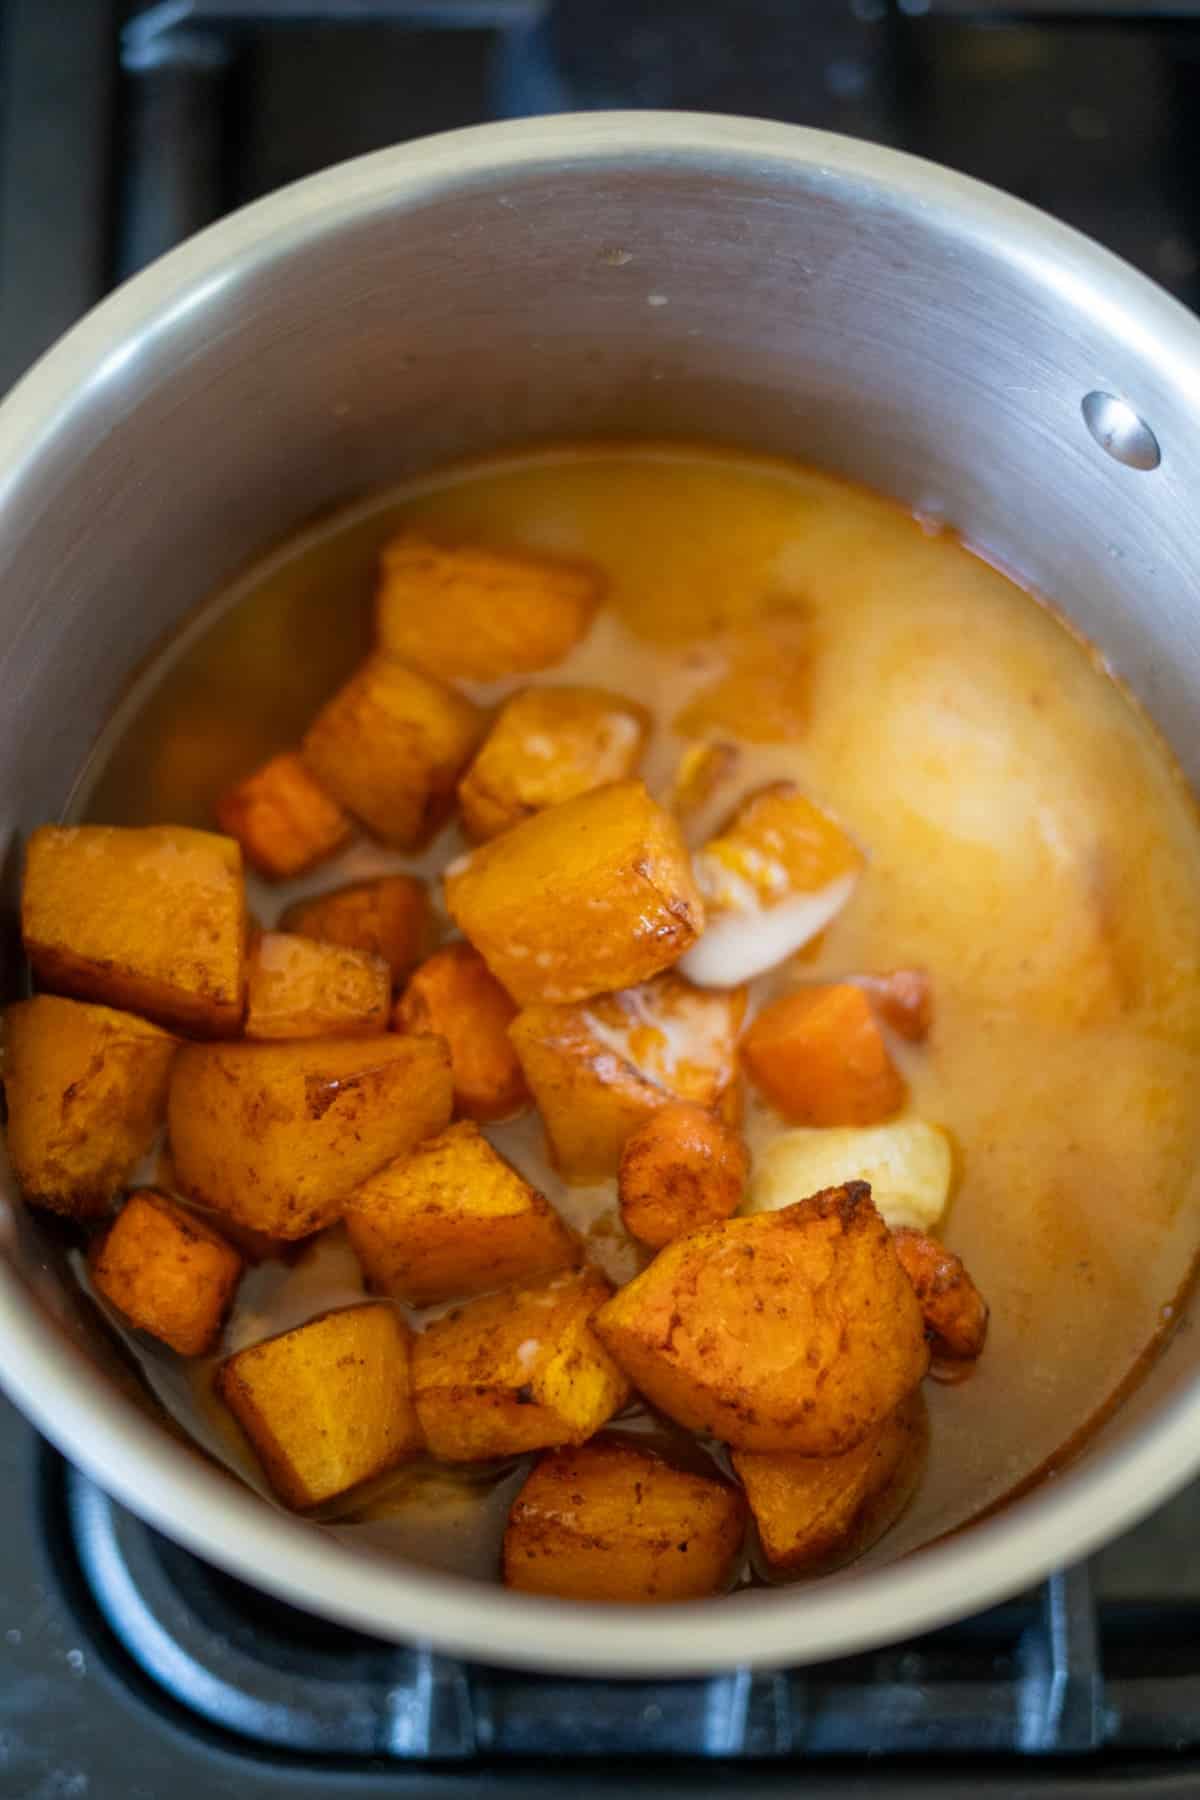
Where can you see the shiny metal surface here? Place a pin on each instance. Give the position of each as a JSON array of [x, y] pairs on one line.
[[1118, 430], [810, 295]]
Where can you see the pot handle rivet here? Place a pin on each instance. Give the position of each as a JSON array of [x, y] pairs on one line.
[[1119, 430]]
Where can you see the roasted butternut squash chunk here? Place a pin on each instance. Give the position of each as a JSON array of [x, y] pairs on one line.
[[516, 1371], [809, 1509], [609, 1521], [166, 1273], [275, 1136], [778, 874], [794, 1330], [328, 1405], [390, 746], [763, 694], [682, 1168], [467, 613], [597, 1071], [298, 987], [818, 1055], [548, 745], [86, 1089], [151, 920], [386, 917], [283, 818], [588, 896], [453, 1218], [454, 995], [954, 1311]]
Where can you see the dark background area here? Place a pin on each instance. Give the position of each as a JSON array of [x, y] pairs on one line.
[[122, 128], [129, 1670]]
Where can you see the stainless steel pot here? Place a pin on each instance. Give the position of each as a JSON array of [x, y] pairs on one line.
[[625, 273]]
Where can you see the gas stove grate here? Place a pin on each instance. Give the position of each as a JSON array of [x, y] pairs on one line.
[[1050, 1674]]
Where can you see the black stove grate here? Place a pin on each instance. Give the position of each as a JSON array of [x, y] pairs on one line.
[[1050, 1674]]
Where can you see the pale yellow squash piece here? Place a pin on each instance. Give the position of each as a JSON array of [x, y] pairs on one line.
[[548, 745], [328, 1405], [469, 613], [151, 919], [811, 1508], [585, 897], [611, 1521], [451, 1219], [597, 1071], [794, 1330], [276, 1136], [298, 987], [166, 1273], [516, 1371], [86, 1088], [390, 746]]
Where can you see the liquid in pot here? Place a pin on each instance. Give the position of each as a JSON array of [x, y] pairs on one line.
[[1030, 844]]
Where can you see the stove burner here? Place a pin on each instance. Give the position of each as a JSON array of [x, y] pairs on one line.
[[1023, 1677]]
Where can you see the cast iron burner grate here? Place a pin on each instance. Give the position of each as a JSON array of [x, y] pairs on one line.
[[1050, 1674]]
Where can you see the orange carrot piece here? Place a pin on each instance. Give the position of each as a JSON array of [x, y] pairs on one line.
[[818, 1055], [955, 1312], [454, 995], [682, 1168], [283, 818]]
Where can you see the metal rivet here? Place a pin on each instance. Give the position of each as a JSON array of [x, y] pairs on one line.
[[1118, 429]]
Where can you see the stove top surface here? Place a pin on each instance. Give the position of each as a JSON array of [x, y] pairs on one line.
[[126, 1667], [129, 1668]]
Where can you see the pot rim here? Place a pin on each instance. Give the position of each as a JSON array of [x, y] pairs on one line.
[[211, 1512]]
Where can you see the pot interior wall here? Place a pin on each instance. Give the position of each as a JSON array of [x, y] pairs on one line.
[[790, 309]]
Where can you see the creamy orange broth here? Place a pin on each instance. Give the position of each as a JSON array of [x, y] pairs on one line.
[[1029, 843]]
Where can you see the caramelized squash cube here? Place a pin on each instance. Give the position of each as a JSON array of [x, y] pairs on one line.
[[599, 1071], [778, 844], [166, 1273], [516, 1371], [328, 1405], [777, 875], [763, 695], [253, 1246], [682, 1168], [275, 1136], [86, 1089], [298, 987], [548, 745], [819, 1057], [451, 1219], [386, 917], [794, 1330], [809, 1509], [585, 897], [152, 920], [390, 746], [283, 818], [455, 995], [473, 614], [609, 1521]]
